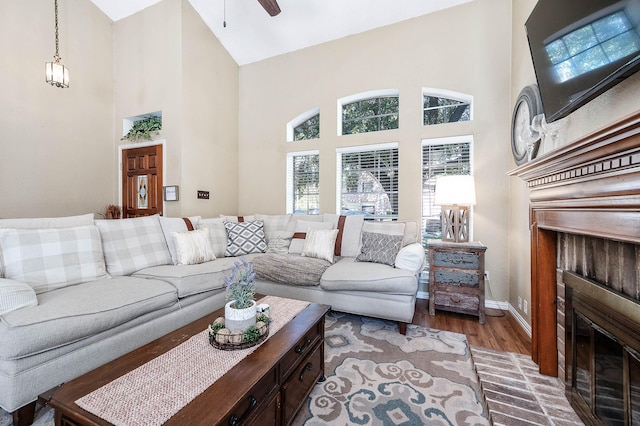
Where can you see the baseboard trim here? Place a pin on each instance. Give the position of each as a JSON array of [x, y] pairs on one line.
[[523, 323], [494, 304]]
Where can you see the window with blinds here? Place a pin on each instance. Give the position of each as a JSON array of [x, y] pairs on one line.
[[450, 156], [367, 181], [303, 182]]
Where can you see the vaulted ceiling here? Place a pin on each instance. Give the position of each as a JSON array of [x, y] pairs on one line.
[[251, 35]]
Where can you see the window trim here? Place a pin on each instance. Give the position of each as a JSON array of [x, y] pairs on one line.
[[352, 149], [298, 120], [361, 97], [289, 176], [444, 93]]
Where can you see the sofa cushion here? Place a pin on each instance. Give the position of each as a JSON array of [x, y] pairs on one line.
[[48, 259], [72, 313], [217, 234], [176, 224], [379, 248], [291, 269], [245, 238], [193, 279], [320, 243], [347, 274], [237, 219], [273, 223], [279, 242], [193, 247], [15, 295], [133, 244]]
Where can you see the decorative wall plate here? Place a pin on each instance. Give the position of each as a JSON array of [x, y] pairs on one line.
[[524, 143]]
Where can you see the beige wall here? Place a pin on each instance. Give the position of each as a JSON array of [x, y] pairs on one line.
[[616, 103], [56, 144], [209, 120], [472, 58], [167, 60]]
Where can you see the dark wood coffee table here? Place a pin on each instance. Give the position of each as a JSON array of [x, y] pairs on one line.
[[277, 377]]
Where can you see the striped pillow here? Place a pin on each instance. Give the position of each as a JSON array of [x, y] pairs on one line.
[[48, 259], [133, 244]]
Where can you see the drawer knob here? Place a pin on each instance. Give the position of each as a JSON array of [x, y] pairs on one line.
[[306, 368], [300, 349], [455, 299], [235, 420]]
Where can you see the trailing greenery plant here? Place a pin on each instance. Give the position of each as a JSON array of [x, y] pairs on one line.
[[144, 128]]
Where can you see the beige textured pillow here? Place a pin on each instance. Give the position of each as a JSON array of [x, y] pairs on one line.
[[193, 247], [320, 243]]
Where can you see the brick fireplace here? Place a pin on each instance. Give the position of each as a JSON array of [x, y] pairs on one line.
[[585, 223]]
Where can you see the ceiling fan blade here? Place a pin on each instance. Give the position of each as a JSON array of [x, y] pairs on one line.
[[271, 6]]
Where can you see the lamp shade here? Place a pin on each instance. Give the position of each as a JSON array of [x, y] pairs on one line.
[[455, 190]]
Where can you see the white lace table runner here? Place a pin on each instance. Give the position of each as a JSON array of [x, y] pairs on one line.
[[152, 393]]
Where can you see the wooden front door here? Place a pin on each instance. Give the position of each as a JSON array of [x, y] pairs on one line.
[[142, 181]]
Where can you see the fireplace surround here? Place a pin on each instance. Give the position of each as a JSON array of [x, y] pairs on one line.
[[585, 197]]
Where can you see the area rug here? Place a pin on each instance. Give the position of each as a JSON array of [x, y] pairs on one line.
[[376, 376]]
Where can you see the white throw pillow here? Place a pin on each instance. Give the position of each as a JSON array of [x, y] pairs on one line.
[[411, 258], [302, 227], [193, 247], [15, 295], [175, 224], [320, 243]]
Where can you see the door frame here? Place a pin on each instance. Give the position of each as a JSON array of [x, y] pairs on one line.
[[142, 145]]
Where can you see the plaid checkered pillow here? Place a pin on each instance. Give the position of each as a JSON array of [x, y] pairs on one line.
[[133, 244], [15, 295], [245, 238], [48, 259]]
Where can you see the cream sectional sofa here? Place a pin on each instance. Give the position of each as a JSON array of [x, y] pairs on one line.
[[76, 292]]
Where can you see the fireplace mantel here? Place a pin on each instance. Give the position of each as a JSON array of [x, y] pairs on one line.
[[587, 187]]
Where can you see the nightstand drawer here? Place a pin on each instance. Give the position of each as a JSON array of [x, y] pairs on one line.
[[457, 277], [462, 302], [455, 259]]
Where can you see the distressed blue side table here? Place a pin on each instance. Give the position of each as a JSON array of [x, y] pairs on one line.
[[456, 277]]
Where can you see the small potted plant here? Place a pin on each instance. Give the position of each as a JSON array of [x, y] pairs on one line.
[[240, 310]]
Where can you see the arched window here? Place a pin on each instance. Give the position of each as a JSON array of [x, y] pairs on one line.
[[305, 126], [368, 112], [440, 106]]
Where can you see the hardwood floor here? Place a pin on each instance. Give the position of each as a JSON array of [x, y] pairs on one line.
[[498, 332]]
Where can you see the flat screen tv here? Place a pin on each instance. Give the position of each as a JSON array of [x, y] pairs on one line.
[[581, 48]]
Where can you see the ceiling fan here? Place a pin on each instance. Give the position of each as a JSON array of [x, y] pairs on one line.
[[271, 6]]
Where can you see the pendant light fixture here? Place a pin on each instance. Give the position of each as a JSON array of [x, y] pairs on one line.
[[56, 73]]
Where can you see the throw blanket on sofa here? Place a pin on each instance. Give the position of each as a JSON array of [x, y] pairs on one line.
[[291, 269]]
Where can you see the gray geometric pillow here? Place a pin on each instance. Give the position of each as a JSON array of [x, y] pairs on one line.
[[379, 248], [245, 238]]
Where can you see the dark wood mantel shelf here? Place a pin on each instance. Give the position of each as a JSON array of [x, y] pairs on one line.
[[588, 187]]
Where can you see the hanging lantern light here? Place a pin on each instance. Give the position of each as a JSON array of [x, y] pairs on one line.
[[57, 74]]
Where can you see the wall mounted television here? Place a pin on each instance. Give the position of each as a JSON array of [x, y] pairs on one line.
[[581, 48]]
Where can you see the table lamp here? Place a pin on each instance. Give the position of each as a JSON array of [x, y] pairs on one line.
[[455, 193]]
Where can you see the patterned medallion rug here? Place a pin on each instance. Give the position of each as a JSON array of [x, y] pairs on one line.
[[376, 376]]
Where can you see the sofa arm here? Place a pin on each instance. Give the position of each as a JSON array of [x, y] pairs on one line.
[[411, 258]]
